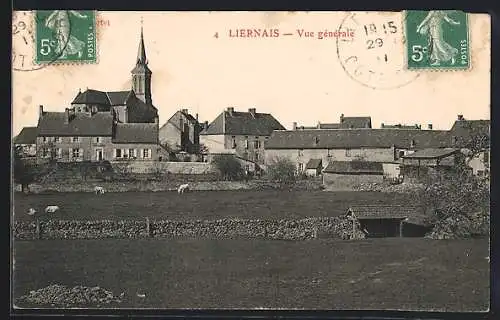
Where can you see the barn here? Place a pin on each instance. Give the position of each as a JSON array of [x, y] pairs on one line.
[[314, 167], [378, 221], [346, 175]]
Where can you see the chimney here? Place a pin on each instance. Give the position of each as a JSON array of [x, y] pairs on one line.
[[460, 117], [253, 111], [230, 110], [429, 126], [382, 125], [205, 125], [342, 118], [40, 111], [318, 125], [196, 117], [66, 116], [184, 111], [294, 126]]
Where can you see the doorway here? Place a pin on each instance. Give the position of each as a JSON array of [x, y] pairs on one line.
[[99, 154]]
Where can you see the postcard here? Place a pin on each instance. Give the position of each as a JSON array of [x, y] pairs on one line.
[[251, 160]]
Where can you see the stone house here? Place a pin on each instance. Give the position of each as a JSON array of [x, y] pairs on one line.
[[314, 167], [104, 125], [385, 146], [426, 163], [346, 175], [242, 132], [181, 132], [344, 123], [26, 141]]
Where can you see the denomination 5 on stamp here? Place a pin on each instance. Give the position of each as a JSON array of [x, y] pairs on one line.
[[437, 40], [65, 36]]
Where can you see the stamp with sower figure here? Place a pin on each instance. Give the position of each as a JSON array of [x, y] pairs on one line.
[[437, 40]]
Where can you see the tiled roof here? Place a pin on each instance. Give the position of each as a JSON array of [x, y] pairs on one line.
[[110, 98], [314, 164], [136, 133], [26, 136], [399, 126], [243, 123], [118, 98], [138, 111], [357, 138], [80, 124], [431, 153], [330, 126], [356, 122], [413, 214], [361, 167]]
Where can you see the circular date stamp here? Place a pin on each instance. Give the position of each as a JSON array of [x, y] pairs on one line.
[[24, 42], [374, 56]]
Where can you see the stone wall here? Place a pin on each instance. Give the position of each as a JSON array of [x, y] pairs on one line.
[[165, 167], [227, 228]]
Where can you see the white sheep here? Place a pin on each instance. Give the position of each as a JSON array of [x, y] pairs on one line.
[[31, 212], [99, 190], [183, 188], [51, 209]]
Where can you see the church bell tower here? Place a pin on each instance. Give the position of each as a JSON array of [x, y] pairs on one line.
[[141, 75]]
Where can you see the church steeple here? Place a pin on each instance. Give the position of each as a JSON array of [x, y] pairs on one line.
[[141, 75]]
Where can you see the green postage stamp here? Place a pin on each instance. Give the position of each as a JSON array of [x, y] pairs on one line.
[[437, 40], [65, 36]]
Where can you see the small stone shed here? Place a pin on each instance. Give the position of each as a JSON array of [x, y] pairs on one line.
[[314, 167], [346, 175], [378, 221], [429, 162]]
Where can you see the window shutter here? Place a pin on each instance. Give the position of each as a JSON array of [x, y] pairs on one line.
[[141, 155]]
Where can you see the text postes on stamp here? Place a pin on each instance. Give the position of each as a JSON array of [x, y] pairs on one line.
[[437, 40], [65, 36], [374, 56]]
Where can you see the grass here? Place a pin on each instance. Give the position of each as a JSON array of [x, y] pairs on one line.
[[409, 274], [203, 204]]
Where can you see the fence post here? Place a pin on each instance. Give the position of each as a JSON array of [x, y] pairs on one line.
[[37, 232], [148, 227]]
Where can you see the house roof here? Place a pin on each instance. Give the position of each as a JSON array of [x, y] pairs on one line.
[[431, 153], [361, 167], [314, 164], [399, 126], [136, 133], [355, 122], [80, 124], [27, 136], [357, 138], [411, 214], [107, 98], [243, 123]]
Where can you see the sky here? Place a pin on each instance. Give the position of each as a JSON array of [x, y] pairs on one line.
[[297, 79]]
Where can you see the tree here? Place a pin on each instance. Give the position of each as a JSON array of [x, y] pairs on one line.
[[229, 167], [25, 171], [458, 205], [282, 171]]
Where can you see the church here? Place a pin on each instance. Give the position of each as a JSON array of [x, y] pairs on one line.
[[104, 125]]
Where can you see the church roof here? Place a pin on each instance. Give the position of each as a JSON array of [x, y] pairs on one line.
[[136, 133], [106, 98]]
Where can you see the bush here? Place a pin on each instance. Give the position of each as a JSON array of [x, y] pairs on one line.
[[229, 167], [282, 171]]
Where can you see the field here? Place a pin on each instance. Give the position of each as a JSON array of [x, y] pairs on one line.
[[410, 274], [205, 205]]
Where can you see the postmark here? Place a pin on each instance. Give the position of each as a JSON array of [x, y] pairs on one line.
[[437, 39], [65, 36], [374, 56]]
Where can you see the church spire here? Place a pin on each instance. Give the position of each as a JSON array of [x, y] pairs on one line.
[[141, 53]]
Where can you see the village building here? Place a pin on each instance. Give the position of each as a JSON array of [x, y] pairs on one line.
[[344, 123], [241, 133], [377, 221], [403, 126], [104, 125], [181, 133], [430, 163], [314, 167], [385, 146], [345, 175], [26, 141]]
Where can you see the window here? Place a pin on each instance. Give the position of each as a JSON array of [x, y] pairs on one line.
[[75, 139], [401, 153], [118, 153], [75, 153], [301, 167], [246, 142], [44, 139], [146, 153], [256, 143], [347, 152], [131, 153], [233, 143], [125, 153], [412, 143], [97, 139], [301, 152], [57, 139], [59, 153], [45, 152], [256, 157]]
